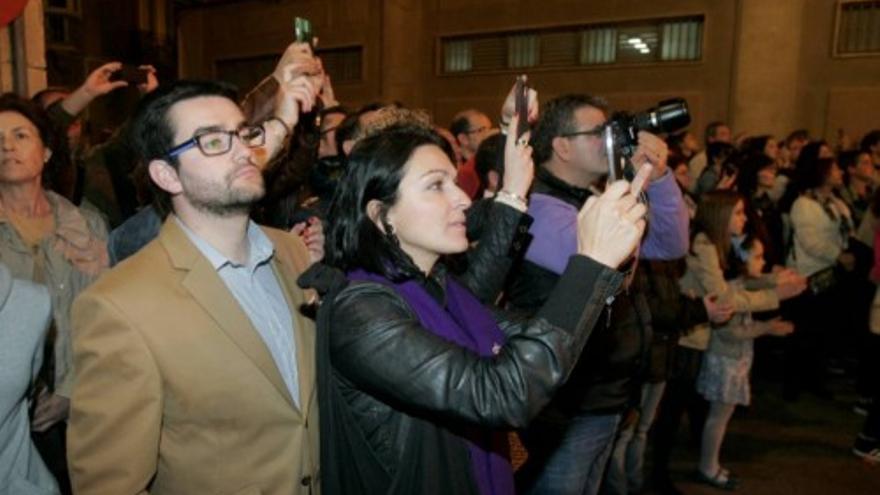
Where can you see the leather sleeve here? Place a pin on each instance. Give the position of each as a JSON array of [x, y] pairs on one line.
[[378, 345], [504, 238]]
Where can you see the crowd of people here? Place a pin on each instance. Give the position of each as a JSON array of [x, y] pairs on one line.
[[280, 294]]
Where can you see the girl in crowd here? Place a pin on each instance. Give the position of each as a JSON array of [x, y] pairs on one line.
[[756, 182], [46, 239], [724, 376], [717, 242], [418, 381]]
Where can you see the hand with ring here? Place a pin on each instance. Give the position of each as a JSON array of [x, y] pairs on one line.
[[519, 169]]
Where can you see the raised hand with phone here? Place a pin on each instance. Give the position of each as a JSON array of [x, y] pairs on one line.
[[107, 78]]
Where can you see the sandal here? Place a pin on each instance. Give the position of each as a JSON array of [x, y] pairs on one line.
[[722, 480]]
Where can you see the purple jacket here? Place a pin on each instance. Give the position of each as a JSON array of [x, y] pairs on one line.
[[555, 226]]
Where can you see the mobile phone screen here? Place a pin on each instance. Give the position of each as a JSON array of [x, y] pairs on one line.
[[130, 74], [302, 30]]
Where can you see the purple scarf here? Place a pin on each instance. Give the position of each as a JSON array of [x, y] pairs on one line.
[[466, 322]]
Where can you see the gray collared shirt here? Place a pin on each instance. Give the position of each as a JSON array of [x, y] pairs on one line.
[[257, 290]]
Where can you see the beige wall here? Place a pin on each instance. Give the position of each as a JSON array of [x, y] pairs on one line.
[[766, 67], [834, 92], [33, 71]]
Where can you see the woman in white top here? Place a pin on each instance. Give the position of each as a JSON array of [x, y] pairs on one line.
[[821, 229]]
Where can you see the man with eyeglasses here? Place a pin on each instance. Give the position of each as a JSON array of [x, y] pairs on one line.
[[194, 368], [570, 443]]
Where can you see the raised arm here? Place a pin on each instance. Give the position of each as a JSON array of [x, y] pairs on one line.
[[378, 344]]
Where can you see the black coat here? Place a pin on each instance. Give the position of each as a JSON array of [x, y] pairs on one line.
[[392, 394]]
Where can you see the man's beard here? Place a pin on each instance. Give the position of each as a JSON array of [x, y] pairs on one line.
[[223, 198]]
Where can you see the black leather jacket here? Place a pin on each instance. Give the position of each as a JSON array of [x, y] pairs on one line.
[[401, 380]]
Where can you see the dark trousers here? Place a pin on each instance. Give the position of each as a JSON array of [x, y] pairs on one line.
[[872, 423], [806, 349], [680, 396], [52, 446]]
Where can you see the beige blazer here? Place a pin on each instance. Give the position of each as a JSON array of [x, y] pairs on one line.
[[174, 390]]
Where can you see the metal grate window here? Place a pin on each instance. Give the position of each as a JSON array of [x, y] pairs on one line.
[[631, 42], [522, 51], [458, 56], [682, 40], [63, 23], [598, 46], [343, 64], [858, 28]]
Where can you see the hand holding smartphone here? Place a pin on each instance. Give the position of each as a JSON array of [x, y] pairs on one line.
[[302, 31], [131, 74]]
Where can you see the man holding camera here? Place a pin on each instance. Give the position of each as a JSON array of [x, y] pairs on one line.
[[569, 444]]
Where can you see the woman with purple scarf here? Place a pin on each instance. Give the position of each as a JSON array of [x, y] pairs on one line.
[[418, 381]]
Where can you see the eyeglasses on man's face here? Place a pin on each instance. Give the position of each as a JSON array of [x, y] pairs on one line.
[[213, 142], [596, 131]]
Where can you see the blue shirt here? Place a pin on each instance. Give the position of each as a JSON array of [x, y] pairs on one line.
[[255, 286]]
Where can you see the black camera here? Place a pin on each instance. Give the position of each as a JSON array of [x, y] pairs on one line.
[[621, 131]]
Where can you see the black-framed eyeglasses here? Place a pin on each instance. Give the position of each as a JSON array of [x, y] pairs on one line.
[[596, 131], [218, 142]]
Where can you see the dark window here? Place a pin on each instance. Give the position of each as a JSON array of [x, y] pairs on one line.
[[858, 28], [343, 64]]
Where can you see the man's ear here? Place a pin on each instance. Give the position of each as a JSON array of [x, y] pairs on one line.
[[165, 176], [561, 148], [47, 155]]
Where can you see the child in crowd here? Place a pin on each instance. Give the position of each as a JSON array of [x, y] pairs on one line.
[[724, 376], [714, 267]]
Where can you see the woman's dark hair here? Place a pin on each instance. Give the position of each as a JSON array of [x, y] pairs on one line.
[[809, 153], [750, 166], [53, 138], [813, 173], [718, 152], [870, 140], [375, 168], [755, 144], [850, 158]]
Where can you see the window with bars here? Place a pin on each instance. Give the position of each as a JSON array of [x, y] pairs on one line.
[[457, 56], [858, 28], [345, 64], [63, 23], [649, 41], [522, 51], [598, 46]]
